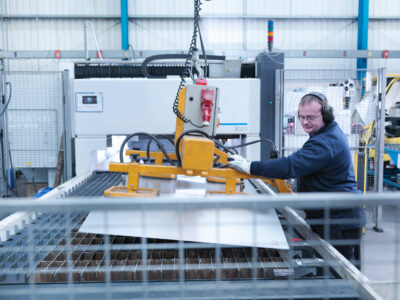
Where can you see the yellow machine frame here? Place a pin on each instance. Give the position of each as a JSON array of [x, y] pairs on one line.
[[226, 175]]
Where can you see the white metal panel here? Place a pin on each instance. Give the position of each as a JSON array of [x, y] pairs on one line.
[[304, 34], [62, 34], [130, 105], [223, 226], [384, 8], [3, 41], [218, 34], [239, 102], [384, 35], [302, 8], [392, 65], [222, 7], [160, 7], [22, 65], [145, 105], [33, 64], [161, 34], [86, 153], [63, 7], [320, 63], [222, 34]]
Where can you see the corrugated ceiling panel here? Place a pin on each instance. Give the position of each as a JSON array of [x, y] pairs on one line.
[[161, 34], [218, 34], [223, 7], [302, 8], [391, 65], [384, 8], [63, 7], [222, 34], [23, 65], [304, 34], [384, 35], [3, 42], [320, 63], [62, 34], [20, 7], [184, 7], [160, 7], [36, 64]]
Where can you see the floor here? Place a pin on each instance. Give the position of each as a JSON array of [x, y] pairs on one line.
[[381, 250], [381, 253]]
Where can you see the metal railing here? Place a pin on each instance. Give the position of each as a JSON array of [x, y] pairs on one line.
[[52, 257]]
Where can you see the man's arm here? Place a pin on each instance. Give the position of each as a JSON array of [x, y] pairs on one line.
[[310, 158]]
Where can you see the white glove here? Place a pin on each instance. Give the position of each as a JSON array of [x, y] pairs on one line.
[[239, 163]]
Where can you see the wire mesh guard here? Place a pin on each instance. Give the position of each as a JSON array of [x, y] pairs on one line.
[[350, 96], [35, 121], [52, 250], [163, 264]]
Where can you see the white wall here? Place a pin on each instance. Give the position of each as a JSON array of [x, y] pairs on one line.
[[226, 25]]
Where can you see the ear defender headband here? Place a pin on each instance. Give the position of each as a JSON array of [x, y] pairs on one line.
[[327, 110]]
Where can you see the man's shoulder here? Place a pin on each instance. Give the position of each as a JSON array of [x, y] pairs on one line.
[[332, 131], [330, 139]]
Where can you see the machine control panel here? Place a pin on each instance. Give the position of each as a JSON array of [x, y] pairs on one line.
[[201, 107], [89, 102]]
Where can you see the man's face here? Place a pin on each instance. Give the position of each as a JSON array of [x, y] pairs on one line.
[[310, 116]]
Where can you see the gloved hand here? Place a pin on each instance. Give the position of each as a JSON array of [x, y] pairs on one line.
[[239, 163]]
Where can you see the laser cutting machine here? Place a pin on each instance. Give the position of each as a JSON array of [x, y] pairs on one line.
[[99, 108]]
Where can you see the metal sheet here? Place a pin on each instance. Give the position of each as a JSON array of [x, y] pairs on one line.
[[238, 227]]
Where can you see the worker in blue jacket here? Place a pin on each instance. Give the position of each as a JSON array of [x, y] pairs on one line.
[[323, 164]]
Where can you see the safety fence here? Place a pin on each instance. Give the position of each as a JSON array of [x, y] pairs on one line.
[[79, 248], [34, 125], [354, 97]]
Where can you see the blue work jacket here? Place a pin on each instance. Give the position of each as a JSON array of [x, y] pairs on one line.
[[323, 164]]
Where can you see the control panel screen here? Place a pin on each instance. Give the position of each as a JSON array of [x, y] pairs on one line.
[[89, 99], [89, 102]]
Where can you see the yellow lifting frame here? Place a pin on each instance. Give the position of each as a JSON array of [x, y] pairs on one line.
[[135, 170]]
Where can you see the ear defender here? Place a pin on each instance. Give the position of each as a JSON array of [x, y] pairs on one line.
[[327, 110]]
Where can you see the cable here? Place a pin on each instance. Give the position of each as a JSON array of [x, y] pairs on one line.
[[253, 142], [12, 168], [3, 165], [188, 63], [157, 136], [95, 41], [391, 84], [133, 51], [33, 183], [8, 101], [274, 154], [204, 54], [121, 150], [2, 144], [227, 149], [149, 59]]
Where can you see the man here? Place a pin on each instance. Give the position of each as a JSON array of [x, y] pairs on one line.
[[323, 164]]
